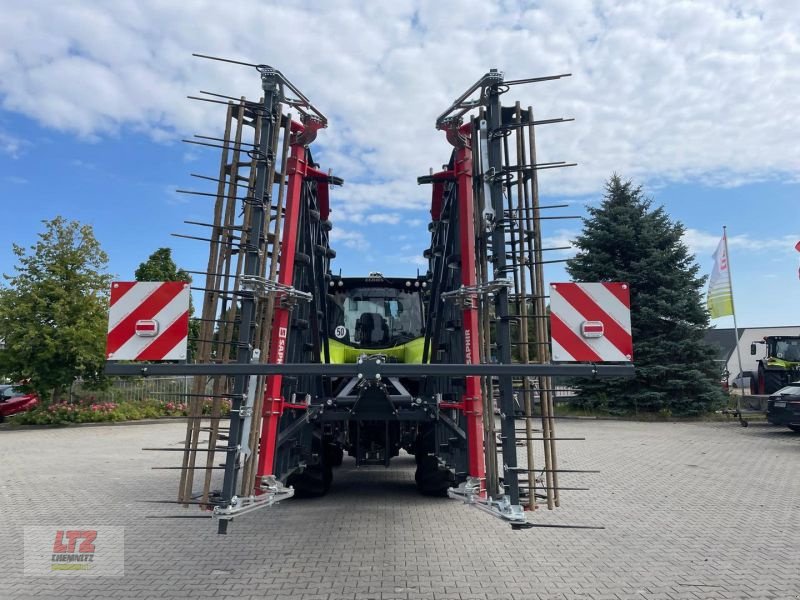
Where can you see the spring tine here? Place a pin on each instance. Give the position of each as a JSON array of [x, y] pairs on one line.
[[541, 487], [564, 471], [225, 227], [196, 395], [554, 525], [179, 516], [215, 179], [209, 503], [512, 82], [215, 449], [202, 239], [558, 439], [181, 468], [216, 139]]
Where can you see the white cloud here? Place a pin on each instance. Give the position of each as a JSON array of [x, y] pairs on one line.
[[662, 90], [705, 242], [389, 218], [349, 238], [559, 244], [11, 145]]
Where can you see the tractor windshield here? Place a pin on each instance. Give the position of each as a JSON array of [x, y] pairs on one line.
[[375, 317], [788, 350]]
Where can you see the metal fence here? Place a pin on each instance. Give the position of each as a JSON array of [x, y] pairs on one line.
[[173, 389]]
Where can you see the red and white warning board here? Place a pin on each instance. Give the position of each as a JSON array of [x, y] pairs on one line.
[[148, 320], [591, 322]]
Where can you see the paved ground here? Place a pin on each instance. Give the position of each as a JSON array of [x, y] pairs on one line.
[[691, 511]]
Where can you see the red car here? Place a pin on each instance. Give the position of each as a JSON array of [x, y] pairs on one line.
[[13, 401]]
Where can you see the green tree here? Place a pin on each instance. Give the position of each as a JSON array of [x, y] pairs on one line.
[[626, 239], [161, 267], [53, 310]]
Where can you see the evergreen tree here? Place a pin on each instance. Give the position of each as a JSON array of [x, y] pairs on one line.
[[54, 313], [625, 239], [160, 266]]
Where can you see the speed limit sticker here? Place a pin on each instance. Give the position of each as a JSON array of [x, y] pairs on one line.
[[340, 331]]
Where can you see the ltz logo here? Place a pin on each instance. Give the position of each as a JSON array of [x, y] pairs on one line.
[[73, 550]]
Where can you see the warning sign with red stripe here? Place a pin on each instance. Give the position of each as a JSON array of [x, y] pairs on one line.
[[591, 322], [148, 320]]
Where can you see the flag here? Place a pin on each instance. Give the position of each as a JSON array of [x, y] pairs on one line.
[[797, 247], [720, 295]]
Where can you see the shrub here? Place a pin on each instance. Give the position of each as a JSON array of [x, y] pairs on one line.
[[89, 410]]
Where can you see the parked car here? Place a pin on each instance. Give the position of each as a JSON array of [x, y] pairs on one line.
[[783, 407], [13, 400]]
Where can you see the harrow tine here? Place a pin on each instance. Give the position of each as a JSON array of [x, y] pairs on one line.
[[189, 468], [216, 449], [193, 502], [179, 516]]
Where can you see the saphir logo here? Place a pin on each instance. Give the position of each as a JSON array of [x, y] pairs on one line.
[[73, 550]]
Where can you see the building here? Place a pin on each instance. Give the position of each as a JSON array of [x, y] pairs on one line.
[[723, 340]]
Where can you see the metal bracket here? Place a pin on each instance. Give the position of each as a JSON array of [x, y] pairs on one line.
[[465, 293], [487, 174], [264, 287], [274, 492], [246, 410], [470, 493]]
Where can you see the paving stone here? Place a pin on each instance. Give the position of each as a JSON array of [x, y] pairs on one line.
[[691, 511]]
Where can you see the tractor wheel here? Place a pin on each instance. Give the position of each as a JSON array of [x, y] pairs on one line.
[[313, 482], [431, 478], [762, 383], [333, 455], [774, 379]]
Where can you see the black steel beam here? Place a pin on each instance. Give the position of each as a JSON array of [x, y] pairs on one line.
[[371, 369]]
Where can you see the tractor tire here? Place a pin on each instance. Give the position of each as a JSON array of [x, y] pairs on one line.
[[334, 455], [315, 479], [770, 380], [313, 482], [432, 479]]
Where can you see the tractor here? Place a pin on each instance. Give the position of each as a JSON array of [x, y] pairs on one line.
[[780, 366]]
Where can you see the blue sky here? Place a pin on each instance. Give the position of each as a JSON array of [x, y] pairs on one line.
[[92, 105]]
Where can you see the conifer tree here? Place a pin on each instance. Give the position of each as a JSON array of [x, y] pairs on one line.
[[626, 239]]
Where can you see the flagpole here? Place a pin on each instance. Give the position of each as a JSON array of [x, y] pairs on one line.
[[733, 310]]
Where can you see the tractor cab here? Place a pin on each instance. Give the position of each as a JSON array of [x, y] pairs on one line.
[[375, 315]]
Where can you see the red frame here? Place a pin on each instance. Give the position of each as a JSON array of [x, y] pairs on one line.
[[274, 404], [472, 400]]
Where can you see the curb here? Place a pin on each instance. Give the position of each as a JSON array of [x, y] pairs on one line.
[[161, 421]]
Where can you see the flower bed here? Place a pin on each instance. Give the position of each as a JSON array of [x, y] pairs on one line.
[[88, 410]]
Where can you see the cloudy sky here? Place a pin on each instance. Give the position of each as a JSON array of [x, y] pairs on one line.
[[697, 101]]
